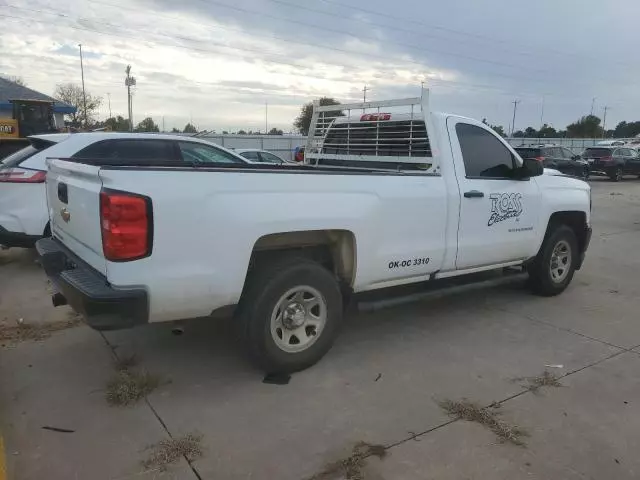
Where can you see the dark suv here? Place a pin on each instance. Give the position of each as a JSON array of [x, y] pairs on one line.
[[559, 158], [613, 161]]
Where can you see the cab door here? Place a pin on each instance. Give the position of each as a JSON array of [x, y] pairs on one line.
[[498, 219]]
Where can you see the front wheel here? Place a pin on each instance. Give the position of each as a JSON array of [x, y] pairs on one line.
[[585, 174], [291, 311], [554, 266]]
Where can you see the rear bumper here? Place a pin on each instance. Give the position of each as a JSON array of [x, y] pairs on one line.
[[17, 239], [88, 292]]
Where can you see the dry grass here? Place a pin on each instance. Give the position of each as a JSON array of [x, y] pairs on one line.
[[22, 332], [125, 362], [170, 450], [534, 384], [471, 412], [351, 467], [127, 387]]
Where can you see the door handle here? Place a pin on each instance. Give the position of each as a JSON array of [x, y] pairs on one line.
[[473, 194]]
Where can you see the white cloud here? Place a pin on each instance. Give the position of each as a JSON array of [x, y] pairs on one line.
[[218, 65]]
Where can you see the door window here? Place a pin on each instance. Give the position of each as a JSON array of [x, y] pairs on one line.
[[253, 156], [270, 158], [130, 149], [483, 154], [201, 153]]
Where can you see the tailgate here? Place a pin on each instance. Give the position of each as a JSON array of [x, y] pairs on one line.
[[73, 196]]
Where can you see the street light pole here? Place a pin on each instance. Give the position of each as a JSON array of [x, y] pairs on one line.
[[109, 97], [84, 94], [129, 81]]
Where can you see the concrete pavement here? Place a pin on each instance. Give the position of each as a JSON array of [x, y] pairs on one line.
[[379, 384]]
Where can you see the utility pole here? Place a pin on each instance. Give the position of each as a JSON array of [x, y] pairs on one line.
[[513, 122], [129, 82], [604, 122], [542, 114], [84, 95], [266, 117], [109, 97], [364, 92], [593, 102], [163, 130], [421, 89]]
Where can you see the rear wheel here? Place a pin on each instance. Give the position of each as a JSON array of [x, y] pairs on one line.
[[616, 174], [554, 266], [291, 311]]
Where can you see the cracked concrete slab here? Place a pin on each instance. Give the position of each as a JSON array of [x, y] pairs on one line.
[[378, 384], [59, 383], [588, 428]]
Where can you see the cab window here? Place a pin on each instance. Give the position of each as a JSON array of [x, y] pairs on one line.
[[483, 154]]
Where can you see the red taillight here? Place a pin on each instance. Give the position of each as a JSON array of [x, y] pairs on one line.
[[22, 175], [126, 225], [540, 159], [370, 117]]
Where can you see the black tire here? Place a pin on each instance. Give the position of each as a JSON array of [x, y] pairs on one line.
[[541, 278], [264, 290], [616, 174]]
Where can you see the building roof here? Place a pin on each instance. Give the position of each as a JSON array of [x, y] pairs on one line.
[[12, 91]]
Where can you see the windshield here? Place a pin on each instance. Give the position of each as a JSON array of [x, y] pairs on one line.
[[18, 157]]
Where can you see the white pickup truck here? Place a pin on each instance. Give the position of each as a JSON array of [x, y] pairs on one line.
[[391, 194]]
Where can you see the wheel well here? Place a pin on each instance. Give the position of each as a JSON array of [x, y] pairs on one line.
[[335, 249], [576, 220], [47, 230]]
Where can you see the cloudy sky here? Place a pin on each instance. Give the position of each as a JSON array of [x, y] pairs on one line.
[[218, 61]]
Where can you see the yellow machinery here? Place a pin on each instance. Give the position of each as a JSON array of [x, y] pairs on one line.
[[29, 117]]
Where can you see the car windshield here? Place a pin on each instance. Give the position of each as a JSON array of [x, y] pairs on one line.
[[18, 157]]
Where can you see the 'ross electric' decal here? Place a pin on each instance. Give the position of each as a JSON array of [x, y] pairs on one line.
[[504, 206]]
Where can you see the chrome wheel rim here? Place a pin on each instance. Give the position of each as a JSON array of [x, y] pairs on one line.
[[560, 263], [298, 319]]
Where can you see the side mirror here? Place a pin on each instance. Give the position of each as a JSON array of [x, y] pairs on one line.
[[577, 157], [530, 168]]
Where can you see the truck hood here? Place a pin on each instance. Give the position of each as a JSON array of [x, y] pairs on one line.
[[565, 193]]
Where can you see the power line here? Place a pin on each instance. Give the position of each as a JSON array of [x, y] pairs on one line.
[[174, 37], [447, 83], [405, 20], [324, 47], [420, 48]]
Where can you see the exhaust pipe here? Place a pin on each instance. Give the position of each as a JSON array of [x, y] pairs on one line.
[[58, 299]]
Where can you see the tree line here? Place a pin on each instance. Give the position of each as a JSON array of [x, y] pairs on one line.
[[588, 126]]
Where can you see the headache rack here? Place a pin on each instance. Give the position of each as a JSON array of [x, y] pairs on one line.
[[389, 134]]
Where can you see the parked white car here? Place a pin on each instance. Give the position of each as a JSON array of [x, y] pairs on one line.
[[388, 199], [23, 205], [255, 155]]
